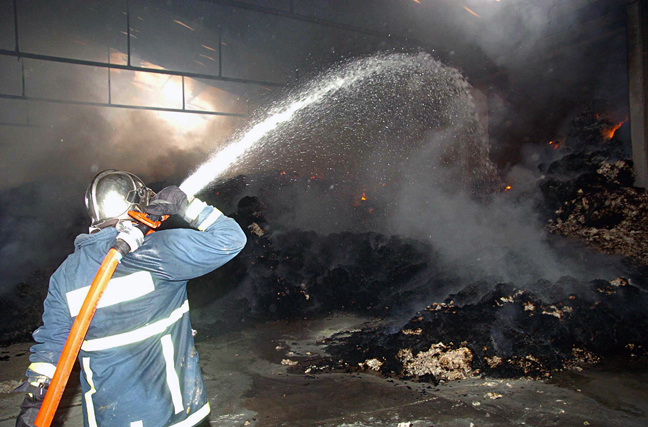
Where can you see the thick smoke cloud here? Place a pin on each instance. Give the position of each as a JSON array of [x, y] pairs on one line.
[[408, 141], [499, 239], [76, 142], [53, 162], [546, 60]]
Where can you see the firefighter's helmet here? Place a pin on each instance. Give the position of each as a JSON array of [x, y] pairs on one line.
[[112, 193]]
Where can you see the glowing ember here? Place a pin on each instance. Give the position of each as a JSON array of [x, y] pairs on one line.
[[183, 24], [507, 188], [472, 12], [555, 144], [363, 197], [609, 133]]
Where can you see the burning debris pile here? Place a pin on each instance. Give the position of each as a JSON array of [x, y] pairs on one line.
[[498, 330], [507, 332], [590, 193], [292, 274]]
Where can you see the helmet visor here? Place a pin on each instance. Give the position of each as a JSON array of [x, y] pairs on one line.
[[113, 194]]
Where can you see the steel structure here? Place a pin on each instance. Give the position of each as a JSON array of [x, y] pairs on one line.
[[17, 53]]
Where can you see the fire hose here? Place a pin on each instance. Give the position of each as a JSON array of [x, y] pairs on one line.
[[82, 322]]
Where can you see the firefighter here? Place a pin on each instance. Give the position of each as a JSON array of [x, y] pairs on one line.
[[139, 366]]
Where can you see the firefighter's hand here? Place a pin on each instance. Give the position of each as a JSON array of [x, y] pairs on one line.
[[170, 201], [30, 406]]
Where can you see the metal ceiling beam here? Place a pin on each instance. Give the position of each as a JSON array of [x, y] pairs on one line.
[[319, 21], [64, 60], [105, 104]]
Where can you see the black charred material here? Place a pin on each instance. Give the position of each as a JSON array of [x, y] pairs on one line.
[[588, 133], [286, 273], [589, 194], [21, 312], [296, 274], [508, 333]]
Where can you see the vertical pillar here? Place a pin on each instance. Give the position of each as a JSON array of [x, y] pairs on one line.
[[638, 85]]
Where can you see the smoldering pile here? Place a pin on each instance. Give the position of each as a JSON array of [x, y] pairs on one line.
[[288, 273], [590, 194], [487, 328], [507, 332]]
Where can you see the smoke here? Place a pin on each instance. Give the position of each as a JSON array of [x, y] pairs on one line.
[[404, 154], [498, 239], [541, 62], [53, 162], [77, 142]]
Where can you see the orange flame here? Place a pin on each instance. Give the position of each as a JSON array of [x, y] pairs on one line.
[[363, 197], [555, 144], [508, 187], [609, 133]]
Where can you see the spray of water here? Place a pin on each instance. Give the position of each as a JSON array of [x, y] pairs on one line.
[[223, 159], [317, 92]]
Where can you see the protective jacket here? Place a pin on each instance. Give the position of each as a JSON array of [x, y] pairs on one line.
[[139, 366]]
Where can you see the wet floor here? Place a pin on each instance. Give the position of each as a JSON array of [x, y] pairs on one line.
[[247, 379]]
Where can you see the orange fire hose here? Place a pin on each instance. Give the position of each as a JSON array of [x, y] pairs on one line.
[[75, 338]]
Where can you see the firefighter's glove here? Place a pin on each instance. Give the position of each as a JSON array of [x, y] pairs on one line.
[[31, 404], [170, 201]]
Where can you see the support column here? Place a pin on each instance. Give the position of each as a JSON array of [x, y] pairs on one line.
[[638, 85]]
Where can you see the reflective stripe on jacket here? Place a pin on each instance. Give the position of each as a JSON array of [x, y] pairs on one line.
[[139, 366]]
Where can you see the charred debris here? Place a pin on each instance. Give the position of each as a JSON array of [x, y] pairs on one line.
[[432, 324], [493, 329]]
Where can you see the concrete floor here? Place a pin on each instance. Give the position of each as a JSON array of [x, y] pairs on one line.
[[249, 386]]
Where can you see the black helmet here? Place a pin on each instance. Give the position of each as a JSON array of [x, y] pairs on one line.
[[112, 193]]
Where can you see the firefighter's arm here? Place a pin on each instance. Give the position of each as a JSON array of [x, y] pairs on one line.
[[184, 254], [50, 339], [51, 336]]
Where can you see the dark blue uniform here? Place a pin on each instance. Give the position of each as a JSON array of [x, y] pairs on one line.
[[139, 366]]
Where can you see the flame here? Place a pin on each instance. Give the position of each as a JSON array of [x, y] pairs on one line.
[[555, 144], [609, 132], [360, 200], [507, 188]]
